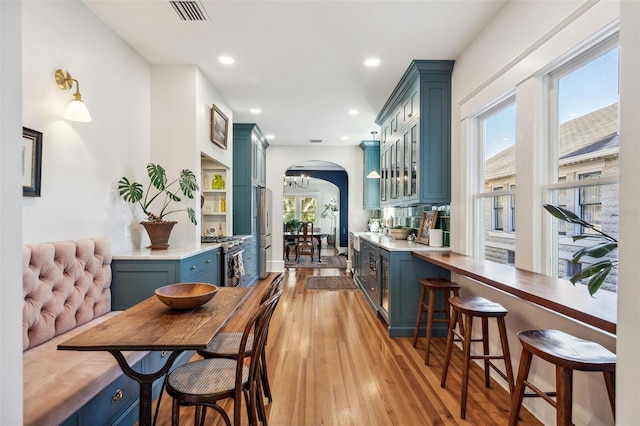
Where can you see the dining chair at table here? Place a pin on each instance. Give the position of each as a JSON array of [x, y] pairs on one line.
[[307, 242], [205, 382], [226, 344]]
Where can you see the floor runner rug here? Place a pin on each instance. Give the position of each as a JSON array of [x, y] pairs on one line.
[[341, 282]]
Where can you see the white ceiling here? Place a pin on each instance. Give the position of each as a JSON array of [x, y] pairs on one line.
[[301, 62]]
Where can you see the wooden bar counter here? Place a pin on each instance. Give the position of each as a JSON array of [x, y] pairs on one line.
[[555, 294]]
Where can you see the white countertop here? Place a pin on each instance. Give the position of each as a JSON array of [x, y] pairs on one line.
[[172, 253], [390, 244]]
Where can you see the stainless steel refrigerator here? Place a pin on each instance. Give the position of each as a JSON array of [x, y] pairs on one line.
[[264, 229]]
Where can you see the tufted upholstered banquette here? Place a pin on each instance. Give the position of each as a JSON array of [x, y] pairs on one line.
[[66, 287]]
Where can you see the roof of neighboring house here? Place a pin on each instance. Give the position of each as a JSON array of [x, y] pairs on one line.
[[588, 133]]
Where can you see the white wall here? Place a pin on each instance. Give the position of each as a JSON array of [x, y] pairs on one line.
[[81, 162], [523, 39], [279, 158], [10, 214]]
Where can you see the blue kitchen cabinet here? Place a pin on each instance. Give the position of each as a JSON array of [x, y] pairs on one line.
[[415, 145], [134, 280]]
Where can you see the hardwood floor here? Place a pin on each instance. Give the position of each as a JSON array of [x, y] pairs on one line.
[[331, 363]]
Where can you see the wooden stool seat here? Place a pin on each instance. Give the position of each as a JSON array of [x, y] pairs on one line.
[[430, 288], [468, 308], [567, 353]]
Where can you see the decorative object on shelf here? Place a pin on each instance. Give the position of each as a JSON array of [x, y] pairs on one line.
[[329, 211], [598, 271], [31, 162], [158, 229], [293, 182], [428, 222], [399, 233], [217, 182], [220, 231], [223, 205], [76, 110], [186, 295], [219, 127]]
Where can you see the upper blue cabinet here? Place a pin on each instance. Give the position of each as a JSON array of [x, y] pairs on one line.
[[371, 186], [415, 142]]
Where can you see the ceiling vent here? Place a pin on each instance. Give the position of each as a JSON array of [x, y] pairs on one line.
[[315, 140], [190, 11]]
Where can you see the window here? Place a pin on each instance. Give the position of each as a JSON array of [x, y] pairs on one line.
[[584, 134], [304, 208], [495, 202]]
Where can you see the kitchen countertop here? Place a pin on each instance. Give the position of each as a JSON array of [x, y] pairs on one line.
[[172, 253], [390, 244]]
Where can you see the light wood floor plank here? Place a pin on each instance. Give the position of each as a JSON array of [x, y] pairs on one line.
[[332, 363]]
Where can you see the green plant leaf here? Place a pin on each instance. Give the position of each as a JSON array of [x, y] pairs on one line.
[[173, 196], [598, 250], [591, 270], [588, 237], [192, 215], [157, 175], [188, 183], [130, 191], [596, 281], [566, 215]]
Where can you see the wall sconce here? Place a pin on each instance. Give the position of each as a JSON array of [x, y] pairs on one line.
[[77, 110]]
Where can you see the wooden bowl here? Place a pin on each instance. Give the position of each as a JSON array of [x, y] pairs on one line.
[[400, 233], [186, 295]]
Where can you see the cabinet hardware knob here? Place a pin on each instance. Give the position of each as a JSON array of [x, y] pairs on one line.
[[117, 396], [163, 354], [208, 261], [193, 267]]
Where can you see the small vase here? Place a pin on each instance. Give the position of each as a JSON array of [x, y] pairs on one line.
[[159, 233], [217, 182]]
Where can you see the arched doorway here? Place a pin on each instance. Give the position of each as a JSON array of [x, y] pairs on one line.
[[333, 174]]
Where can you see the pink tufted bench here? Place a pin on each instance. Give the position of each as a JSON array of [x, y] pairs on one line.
[[66, 288]]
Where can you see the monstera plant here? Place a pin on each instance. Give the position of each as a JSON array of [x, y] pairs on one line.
[[160, 193], [604, 244]]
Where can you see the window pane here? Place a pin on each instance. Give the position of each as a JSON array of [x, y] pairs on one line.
[[497, 246], [588, 149], [308, 209], [288, 208]]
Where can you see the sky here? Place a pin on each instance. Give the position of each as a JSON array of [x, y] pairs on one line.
[[586, 89]]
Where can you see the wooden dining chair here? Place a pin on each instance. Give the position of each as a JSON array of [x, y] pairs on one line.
[[205, 382], [307, 241], [226, 345]]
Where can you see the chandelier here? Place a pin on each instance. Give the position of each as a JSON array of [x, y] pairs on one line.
[[301, 181]]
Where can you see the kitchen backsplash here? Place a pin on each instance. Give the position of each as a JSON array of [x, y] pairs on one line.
[[409, 217]]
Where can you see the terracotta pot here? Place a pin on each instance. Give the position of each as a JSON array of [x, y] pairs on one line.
[[159, 233]]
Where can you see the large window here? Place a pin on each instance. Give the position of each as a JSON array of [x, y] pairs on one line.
[[495, 201], [584, 136], [303, 208]]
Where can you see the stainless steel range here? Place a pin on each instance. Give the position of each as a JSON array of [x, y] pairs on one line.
[[232, 264]]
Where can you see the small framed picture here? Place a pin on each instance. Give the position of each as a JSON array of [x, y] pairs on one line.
[[219, 127], [428, 222], [31, 162]]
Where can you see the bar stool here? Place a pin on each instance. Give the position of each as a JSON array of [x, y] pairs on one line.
[[567, 353], [431, 287], [470, 307]]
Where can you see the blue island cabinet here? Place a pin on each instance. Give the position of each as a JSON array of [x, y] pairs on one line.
[[134, 280], [399, 291]]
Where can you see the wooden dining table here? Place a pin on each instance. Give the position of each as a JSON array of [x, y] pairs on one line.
[[152, 326]]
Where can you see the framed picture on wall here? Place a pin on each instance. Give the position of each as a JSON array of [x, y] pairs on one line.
[[31, 162], [219, 127], [427, 222]]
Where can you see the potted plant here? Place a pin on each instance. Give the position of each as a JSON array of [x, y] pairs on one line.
[[292, 224], [163, 193], [329, 210], [605, 244]]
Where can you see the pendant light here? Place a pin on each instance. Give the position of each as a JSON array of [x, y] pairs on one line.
[[373, 174]]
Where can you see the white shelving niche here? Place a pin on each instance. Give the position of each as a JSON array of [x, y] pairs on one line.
[[215, 210]]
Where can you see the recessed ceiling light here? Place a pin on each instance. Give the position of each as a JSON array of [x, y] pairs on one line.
[[354, 112], [372, 62], [227, 60], [270, 137], [344, 138], [255, 111]]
